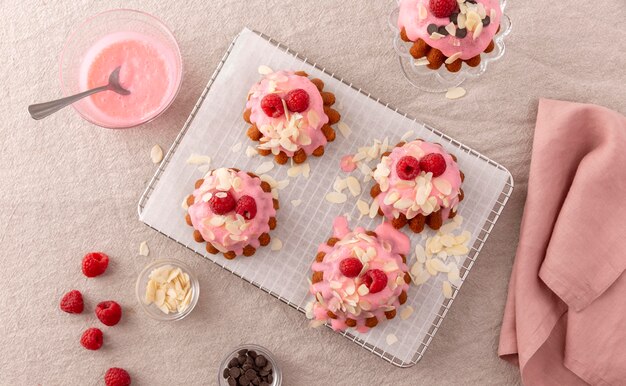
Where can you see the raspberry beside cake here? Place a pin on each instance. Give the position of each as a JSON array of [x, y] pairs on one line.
[[360, 277], [417, 183], [290, 116], [449, 32], [233, 211]]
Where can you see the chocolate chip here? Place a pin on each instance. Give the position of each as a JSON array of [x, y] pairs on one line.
[[270, 378], [263, 373], [232, 382], [454, 16], [486, 21], [235, 373], [241, 359], [246, 366], [268, 367], [253, 354], [461, 33], [250, 374], [443, 31], [264, 384], [244, 381], [242, 351], [233, 362], [225, 373], [256, 381], [431, 29], [260, 361]]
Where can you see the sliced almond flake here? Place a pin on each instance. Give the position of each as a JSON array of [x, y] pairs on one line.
[[156, 154], [184, 204], [453, 275], [264, 167], [336, 197], [451, 29], [344, 129], [458, 250], [363, 290], [143, 249], [460, 20], [306, 170], [420, 254], [448, 228], [296, 203], [492, 14], [391, 339], [365, 305], [421, 62], [447, 240], [277, 245], [481, 11], [236, 147], [334, 284], [390, 267], [447, 290], [436, 36], [400, 280], [477, 31], [406, 312], [282, 184], [197, 159], [313, 118], [407, 135], [150, 292], [316, 323], [421, 278], [455, 93], [422, 12], [265, 70], [430, 268], [363, 207], [458, 219], [417, 269], [340, 184], [374, 209], [438, 265], [353, 186], [159, 297], [251, 152], [453, 58]]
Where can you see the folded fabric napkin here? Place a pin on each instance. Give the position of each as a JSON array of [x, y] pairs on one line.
[[565, 317]]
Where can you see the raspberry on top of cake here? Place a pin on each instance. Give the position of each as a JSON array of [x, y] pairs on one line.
[[359, 277], [232, 211], [460, 29], [418, 180], [290, 115]]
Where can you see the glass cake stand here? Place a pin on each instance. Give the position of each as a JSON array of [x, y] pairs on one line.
[[441, 80]]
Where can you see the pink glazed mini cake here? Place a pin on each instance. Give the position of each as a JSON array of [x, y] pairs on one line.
[[418, 183], [449, 32], [290, 116], [359, 277], [232, 211]]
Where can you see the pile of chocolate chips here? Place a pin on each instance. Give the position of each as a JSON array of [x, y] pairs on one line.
[[249, 368]]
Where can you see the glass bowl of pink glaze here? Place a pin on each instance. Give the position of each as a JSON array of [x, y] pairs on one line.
[[150, 60], [441, 80]]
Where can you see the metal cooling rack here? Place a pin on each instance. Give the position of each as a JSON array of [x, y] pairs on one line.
[[475, 249]]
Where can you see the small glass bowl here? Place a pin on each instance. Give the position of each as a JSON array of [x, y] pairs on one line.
[[441, 80], [276, 372], [151, 309], [117, 21]]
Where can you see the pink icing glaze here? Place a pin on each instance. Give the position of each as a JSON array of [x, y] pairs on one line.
[[386, 175], [339, 293], [307, 133], [347, 164], [220, 236], [417, 29]]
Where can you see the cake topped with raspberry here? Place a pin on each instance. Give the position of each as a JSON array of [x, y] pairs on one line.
[[233, 211], [418, 183], [359, 277], [290, 116], [450, 32]]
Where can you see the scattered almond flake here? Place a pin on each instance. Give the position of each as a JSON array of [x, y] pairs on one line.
[[407, 135], [294, 171], [353, 186], [316, 323], [421, 278], [282, 184], [453, 275], [197, 159], [264, 167], [340, 184], [406, 312], [336, 197], [420, 255], [436, 36], [236, 147], [423, 12], [344, 129], [277, 245], [421, 62], [453, 58], [143, 249], [374, 209], [156, 154], [438, 265], [265, 70], [204, 168], [447, 290], [391, 339], [363, 207], [251, 152], [458, 219], [306, 170], [448, 240], [448, 227], [430, 268], [296, 203], [477, 31], [455, 93]]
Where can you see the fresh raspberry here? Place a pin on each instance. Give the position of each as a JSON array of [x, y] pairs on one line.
[[297, 100], [350, 267], [91, 339], [222, 202], [116, 377], [95, 263], [408, 167], [109, 312], [434, 163], [375, 280], [72, 302], [246, 206], [442, 8], [272, 105]]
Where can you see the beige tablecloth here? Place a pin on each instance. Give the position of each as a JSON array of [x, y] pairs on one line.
[[67, 187]]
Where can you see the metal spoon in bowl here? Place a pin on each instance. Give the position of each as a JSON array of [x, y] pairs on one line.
[[42, 110]]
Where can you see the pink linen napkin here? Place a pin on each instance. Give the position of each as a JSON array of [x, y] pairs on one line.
[[565, 317]]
